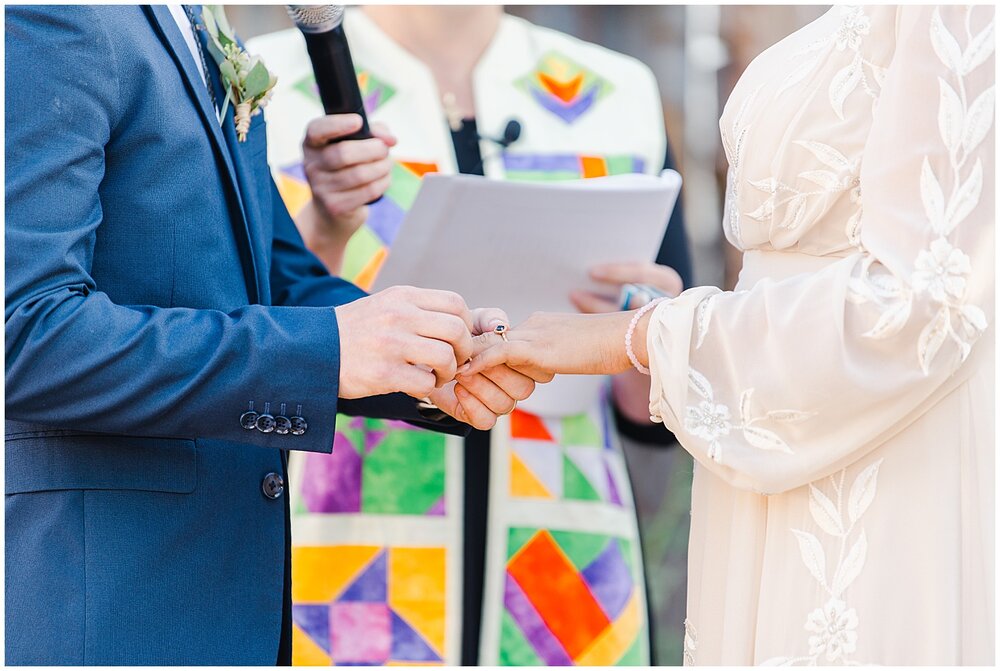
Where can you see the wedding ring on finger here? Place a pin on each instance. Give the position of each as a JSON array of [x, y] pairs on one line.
[[501, 330]]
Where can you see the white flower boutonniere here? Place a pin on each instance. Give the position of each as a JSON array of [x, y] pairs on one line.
[[247, 81]]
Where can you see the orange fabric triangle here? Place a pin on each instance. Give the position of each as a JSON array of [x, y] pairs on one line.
[[523, 482], [366, 278], [526, 425], [419, 169], [565, 91]]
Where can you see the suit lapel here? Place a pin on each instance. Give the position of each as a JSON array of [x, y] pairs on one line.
[[165, 27], [242, 167]]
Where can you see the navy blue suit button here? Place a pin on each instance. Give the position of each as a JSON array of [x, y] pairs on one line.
[[281, 423], [248, 420], [299, 426], [265, 422], [273, 486]]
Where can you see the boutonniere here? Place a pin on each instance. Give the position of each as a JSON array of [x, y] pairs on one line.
[[247, 81]]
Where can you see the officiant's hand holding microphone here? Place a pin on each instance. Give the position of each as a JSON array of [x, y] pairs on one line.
[[344, 175]]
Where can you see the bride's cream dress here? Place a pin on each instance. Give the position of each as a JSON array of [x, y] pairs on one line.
[[840, 403]]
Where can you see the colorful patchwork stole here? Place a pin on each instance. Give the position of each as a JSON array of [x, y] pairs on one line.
[[377, 524]]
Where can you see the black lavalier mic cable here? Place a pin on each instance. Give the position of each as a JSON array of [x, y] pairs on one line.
[[511, 134]]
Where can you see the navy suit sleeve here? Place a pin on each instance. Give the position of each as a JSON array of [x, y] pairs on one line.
[[675, 251], [74, 358], [299, 278]]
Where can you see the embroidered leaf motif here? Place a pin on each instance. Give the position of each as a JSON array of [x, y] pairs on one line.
[[765, 440], [878, 73], [950, 115], [931, 339], [964, 348], [944, 43], [966, 198], [863, 491], [824, 178], [767, 185], [745, 416], [974, 318], [891, 320], [794, 212], [979, 49], [764, 212], [843, 84], [824, 513], [851, 567], [854, 228], [886, 285], [788, 416], [931, 194], [978, 120], [700, 384], [812, 555], [704, 317], [827, 155]]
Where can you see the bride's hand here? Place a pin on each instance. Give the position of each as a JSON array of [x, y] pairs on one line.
[[550, 343]]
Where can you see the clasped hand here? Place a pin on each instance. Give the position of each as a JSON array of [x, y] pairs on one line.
[[411, 340]]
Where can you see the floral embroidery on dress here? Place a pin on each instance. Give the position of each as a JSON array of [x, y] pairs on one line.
[[734, 149], [710, 421], [833, 626], [690, 642], [854, 26], [941, 271], [842, 174], [839, 173]]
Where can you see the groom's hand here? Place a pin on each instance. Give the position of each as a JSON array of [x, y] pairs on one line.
[[402, 339]]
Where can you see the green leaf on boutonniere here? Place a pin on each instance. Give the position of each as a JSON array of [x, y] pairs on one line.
[[228, 72], [219, 14], [258, 81]]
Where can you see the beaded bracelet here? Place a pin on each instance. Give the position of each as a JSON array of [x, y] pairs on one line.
[[631, 329]]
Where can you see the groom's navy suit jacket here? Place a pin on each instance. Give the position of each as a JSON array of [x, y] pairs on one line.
[[155, 285]]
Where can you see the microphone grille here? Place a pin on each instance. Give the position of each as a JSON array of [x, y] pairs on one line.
[[316, 18]]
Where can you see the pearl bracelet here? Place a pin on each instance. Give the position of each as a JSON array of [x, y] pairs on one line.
[[631, 329]]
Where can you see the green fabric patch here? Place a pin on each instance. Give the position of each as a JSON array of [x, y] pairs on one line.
[[580, 431], [404, 473], [581, 548], [619, 165], [635, 655], [360, 250], [575, 483], [403, 187], [516, 538]]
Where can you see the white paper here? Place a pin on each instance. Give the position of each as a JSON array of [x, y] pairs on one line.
[[524, 246]]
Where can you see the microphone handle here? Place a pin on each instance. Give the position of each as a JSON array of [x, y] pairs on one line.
[[336, 78]]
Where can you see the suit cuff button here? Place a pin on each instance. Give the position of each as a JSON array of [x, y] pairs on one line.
[[248, 420]]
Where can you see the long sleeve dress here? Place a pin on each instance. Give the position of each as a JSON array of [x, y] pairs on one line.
[[840, 403]]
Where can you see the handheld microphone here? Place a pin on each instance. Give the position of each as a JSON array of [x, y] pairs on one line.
[[322, 26]]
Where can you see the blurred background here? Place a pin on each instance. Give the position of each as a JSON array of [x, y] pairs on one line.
[[697, 54]]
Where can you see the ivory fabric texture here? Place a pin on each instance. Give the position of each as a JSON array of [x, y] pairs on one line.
[[840, 403]]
